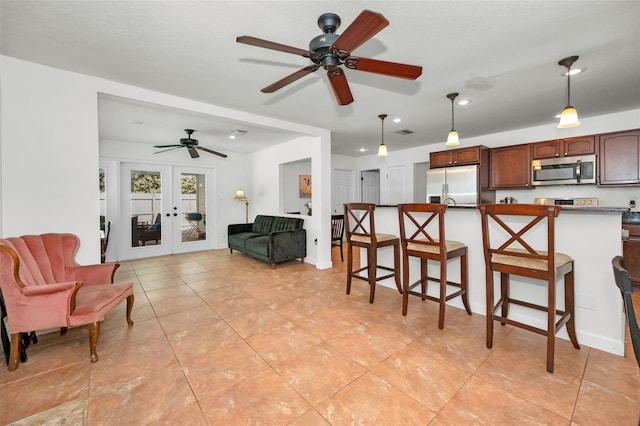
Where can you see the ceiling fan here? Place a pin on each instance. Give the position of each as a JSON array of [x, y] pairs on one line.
[[191, 145], [330, 50]]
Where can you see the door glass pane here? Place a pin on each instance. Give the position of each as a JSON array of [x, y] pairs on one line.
[[145, 207], [193, 201], [103, 198]]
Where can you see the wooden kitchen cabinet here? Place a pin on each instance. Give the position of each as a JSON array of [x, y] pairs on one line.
[[455, 157], [619, 158], [511, 167], [582, 145]]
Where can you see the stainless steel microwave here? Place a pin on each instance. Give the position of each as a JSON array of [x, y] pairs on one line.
[[564, 170]]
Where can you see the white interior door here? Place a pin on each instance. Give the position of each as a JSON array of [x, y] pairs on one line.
[[370, 180], [164, 210], [396, 185], [343, 189]]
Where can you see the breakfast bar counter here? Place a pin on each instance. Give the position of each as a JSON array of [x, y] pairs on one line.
[[591, 236]]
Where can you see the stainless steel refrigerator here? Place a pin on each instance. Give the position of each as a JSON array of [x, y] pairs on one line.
[[457, 185]]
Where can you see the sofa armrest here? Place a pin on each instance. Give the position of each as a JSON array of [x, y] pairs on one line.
[[237, 228], [101, 273], [284, 245]]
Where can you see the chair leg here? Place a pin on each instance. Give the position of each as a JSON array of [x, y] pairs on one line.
[[569, 306], [489, 306], [372, 267], [94, 333], [443, 293], [504, 295], [129, 309], [396, 266], [16, 342], [551, 325], [423, 277], [405, 284], [341, 257], [349, 266], [464, 281]]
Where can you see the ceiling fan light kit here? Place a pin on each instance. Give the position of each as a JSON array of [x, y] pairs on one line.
[[569, 116], [191, 145], [330, 50], [452, 138]]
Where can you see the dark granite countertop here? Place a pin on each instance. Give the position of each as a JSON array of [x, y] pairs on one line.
[[571, 209]]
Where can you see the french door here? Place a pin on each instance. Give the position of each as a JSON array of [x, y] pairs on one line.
[[165, 210]]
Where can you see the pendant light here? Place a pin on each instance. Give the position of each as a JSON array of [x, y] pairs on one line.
[[452, 139], [382, 149], [569, 116]]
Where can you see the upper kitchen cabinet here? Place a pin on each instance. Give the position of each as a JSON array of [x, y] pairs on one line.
[[511, 167], [582, 145], [455, 157], [619, 159]]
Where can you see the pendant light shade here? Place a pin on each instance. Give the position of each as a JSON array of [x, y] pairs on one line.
[[452, 139], [569, 116], [382, 149]]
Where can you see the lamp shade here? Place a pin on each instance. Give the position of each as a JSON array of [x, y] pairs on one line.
[[382, 150], [568, 118], [452, 139], [240, 195]]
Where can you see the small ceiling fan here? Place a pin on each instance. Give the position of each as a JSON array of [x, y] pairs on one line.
[[330, 50], [191, 145]]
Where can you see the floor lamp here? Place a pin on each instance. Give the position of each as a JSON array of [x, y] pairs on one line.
[[242, 197]]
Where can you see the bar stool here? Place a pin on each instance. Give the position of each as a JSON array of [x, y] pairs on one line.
[[422, 235], [361, 232], [506, 251]]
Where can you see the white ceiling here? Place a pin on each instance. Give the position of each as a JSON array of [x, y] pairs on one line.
[[502, 55]]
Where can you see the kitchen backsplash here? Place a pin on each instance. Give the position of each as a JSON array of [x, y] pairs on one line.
[[607, 197]]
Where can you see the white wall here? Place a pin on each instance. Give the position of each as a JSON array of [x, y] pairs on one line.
[[50, 154], [265, 165]]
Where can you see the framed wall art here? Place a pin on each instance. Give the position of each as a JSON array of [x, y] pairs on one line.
[[304, 185]]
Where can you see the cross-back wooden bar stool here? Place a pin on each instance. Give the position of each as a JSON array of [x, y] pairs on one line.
[[422, 235], [507, 234], [361, 233]]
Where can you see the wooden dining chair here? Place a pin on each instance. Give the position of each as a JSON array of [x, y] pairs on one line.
[[508, 235], [422, 235], [360, 226], [337, 232], [621, 276]]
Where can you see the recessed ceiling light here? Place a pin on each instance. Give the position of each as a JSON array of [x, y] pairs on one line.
[[135, 122], [237, 133], [464, 101], [362, 149], [397, 120]]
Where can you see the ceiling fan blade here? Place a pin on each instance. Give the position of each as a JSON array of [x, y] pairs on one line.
[[392, 69], [192, 152], [210, 151], [165, 150], [365, 26], [290, 79], [167, 146], [340, 86], [253, 41]]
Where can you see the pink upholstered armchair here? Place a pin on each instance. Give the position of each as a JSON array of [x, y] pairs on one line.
[[43, 288]]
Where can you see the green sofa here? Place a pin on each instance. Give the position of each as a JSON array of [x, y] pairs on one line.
[[272, 239]]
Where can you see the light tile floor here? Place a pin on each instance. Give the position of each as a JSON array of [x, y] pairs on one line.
[[220, 338]]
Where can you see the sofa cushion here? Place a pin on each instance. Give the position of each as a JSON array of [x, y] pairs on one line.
[[262, 224], [286, 224], [240, 240], [259, 245]]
